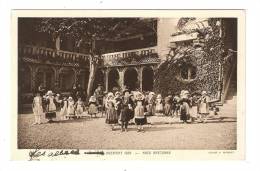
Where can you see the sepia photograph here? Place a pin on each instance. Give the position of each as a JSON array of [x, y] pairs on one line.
[[127, 83]]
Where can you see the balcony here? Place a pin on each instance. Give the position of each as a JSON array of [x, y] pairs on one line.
[[131, 57], [37, 54]]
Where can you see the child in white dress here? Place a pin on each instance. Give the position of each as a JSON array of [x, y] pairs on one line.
[[93, 109], [71, 109], [159, 105], [37, 108], [203, 106], [79, 108], [51, 107], [64, 109]]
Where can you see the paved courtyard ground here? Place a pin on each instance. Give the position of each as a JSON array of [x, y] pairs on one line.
[[93, 133]]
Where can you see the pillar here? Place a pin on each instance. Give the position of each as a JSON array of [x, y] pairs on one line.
[[76, 75], [121, 78], [140, 77], [57, 79], [106, 79], [33, 78]]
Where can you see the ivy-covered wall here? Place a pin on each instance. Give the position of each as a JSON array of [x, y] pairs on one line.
[[207, 59]]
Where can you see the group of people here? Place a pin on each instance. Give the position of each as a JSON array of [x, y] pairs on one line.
[[50, 103], [69, 107], [188, 107], [121, 107]]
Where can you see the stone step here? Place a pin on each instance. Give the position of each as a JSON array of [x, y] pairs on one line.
[[229, 108]]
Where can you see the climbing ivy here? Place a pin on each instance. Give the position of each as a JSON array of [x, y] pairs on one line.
[[206, 58]]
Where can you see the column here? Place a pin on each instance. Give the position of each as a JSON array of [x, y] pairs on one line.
[[76, 75], [33, 78], [44, 78], [106, 79], [140, 77], [56, 80], [121, 78]]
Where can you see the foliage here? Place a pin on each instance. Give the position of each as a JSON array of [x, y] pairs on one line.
[[206, 59], [89, 29]]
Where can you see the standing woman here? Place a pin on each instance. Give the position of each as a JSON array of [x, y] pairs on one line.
[[118, 103], [203, 106], [185, 106], [132, 103], [51, 107], [64, 108], [176, 105], [93, 107], [126, 111], [71, 109], [79, 106], [74, 91], [159, 105], [111, 114], [168, 105], [150, 103], [37, 108], [140, 119]]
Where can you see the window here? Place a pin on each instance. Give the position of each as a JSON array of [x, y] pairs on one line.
[[187, 72]]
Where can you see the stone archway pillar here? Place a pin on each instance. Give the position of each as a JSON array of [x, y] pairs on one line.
[[106, 79], [76, 76], [140, 77], [121, 78], [56, 79], [33, 78]]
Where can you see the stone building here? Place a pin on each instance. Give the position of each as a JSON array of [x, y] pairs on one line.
[[202, 56], [133, 61]]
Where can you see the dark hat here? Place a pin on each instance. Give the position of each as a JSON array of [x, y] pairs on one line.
[[126, 90]]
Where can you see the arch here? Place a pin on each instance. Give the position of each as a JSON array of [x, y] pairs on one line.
[[67, 78], [113, 78], [148, 78], [99, 78], [24, 78], [45, 75], [83, 78], [131, 78]]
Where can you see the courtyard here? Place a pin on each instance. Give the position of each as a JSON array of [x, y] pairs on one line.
[[92, 133]]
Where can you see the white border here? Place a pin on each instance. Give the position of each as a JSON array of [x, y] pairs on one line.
[[252, 63], [175, 154]]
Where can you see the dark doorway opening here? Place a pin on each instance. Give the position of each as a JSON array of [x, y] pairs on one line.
[[113, 78], [131, 79], [147, 79]]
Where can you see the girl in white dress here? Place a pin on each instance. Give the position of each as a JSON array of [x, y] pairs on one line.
[[79, 108], [204, 106], [92, 108], [51, 107], [64, 109], [37, 108], [71, 109], [159, 105]]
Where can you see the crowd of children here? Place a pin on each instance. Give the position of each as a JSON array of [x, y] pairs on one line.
[[122, 107]]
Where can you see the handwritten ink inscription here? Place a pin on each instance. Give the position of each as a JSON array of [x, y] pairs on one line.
[[37, 153]]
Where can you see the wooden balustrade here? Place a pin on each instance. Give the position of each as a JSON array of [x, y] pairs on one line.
[[110, 58], [48, 52]]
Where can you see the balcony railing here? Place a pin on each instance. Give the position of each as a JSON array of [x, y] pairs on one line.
[[48, 53], [112, 58]]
